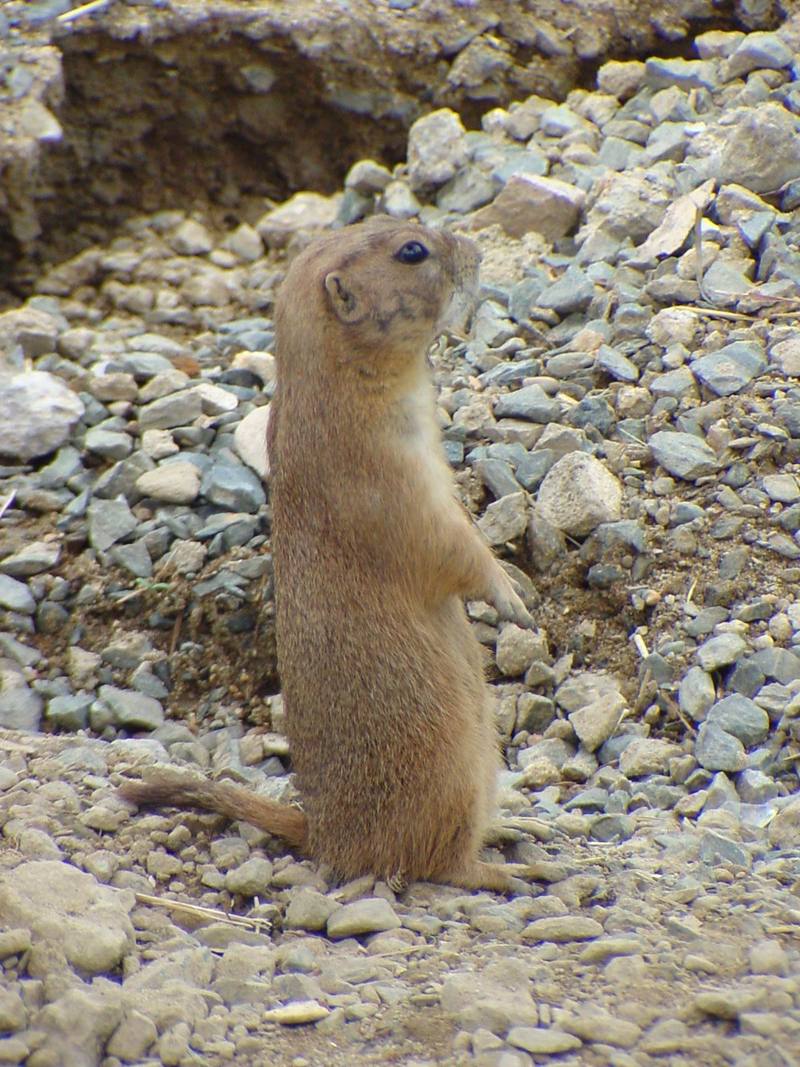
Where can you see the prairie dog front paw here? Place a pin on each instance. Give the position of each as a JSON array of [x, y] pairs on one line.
[[508, 602]]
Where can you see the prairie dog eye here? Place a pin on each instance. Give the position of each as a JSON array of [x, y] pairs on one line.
[[412, 252]]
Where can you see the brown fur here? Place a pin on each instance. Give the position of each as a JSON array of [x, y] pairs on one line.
[[388, 712]]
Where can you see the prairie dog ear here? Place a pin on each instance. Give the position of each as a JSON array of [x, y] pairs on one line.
[[344, 301]]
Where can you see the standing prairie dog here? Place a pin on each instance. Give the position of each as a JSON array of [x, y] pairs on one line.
[[388, 714]]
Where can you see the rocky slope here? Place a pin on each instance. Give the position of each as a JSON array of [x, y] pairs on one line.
[[624, 422], [114, 107]]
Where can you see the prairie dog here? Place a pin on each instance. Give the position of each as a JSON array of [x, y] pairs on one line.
[[388, 713]]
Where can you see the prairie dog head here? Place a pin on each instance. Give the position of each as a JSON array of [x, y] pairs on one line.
[[372, 297]]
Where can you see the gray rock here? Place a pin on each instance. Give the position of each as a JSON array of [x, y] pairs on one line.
[[720, 651], [529, 202], [573, 291], [505, 520], [368, 916], [683, 454], [37, 414], [69, 712], [730, 369], [677, 383], [35, 558], [781, 664], [437, 148], [760, 150], [562, 929], [696, 693], [578, 494], [309, 910], [131, 710], [647, 755], [741, 717], [233, 487], [781, 487], [759, 51], [685, 73], [174, 482], [755, 787], [250, 878], [616, 365], [191, 238], [16, 596], [516, 649], [20, 708], [543, 1041], [108, 443], [176, 409], [496, 475], [530, 403], [717, 750], [109, 521], [467, 191], [71, 912]]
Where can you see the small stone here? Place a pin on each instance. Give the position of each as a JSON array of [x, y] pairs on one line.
[[616, 365], [720, 651], [37, 414], [562, 929], [594, 723], [741, 717], [717, 750], [696, 693], [109, 521], [133, 1037], [730, 369], [759, 51], [367, 177], [530, 403], [191, 238], [573, 291], [250, 440], [175, 483], [70, 909], [159, 444], [784, 829], [761, 149], [529, 203], [516, 649], [683, 455], [646, 755], [309, 910], [176, 409], [368, 916], [299, 212], [35, 558], [595, 1026], [781, 487], [15, 596], [769, 957], [233, 487], [621, 78], [245, 243], [578, 494], [505, 520], [131, 710], [251, 878], [296, 1013], [543, 1042], [436, 149]]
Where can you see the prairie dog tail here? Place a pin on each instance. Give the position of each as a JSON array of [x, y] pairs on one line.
[[164, 787]]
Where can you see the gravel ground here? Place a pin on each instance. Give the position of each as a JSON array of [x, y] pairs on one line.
[[624, 422]]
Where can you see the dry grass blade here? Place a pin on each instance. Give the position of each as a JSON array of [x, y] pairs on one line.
[[83, 9], [199, 912], [9, 500]]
